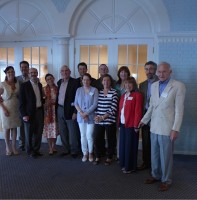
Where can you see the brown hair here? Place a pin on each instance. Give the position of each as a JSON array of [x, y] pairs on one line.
[[123, 68], [133, 81]]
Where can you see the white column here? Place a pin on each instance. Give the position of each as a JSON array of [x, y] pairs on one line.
[[60, 54]]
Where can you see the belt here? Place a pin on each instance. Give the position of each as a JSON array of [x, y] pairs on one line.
[[60, 106], [38, 108]]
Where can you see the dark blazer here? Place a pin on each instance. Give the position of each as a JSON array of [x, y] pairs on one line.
[[143, 87], [27, 99], [69, 107]]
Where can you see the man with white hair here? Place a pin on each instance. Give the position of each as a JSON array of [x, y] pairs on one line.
[[166, 113], [66, 112]]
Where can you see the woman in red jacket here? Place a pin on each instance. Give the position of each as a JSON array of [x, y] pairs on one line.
[[130, 114]]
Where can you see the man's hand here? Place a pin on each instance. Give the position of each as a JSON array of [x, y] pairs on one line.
[[26, 118], [174, 135], [141, 124], [74, 116]]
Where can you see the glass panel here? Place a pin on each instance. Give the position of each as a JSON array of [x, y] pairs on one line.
[[43, 55], [94, 71], [35, 55], [122, 54], [93, 54], [37, 67], [142, 54], [84, 54], [3, 55], [141, 74], [10, 56], [133, 71], [43, 72], [103, 57], [27, 54], [132, 54]]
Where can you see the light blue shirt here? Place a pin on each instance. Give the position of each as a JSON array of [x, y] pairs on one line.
[[87, 103], [162, 86]]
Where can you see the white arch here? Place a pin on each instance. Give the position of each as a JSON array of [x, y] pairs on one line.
[[155, 11]]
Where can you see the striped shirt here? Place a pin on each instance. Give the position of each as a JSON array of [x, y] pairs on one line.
[[107, 104]]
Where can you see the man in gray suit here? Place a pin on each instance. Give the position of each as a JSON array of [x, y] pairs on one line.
[[166, 114], [24, 67], [145, 88]]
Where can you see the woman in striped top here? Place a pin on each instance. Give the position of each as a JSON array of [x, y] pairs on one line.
[[105, 120]]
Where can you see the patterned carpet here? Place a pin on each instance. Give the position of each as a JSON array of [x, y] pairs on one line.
[[56, 177]]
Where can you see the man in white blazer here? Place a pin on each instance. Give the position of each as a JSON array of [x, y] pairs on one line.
[[166, 113]]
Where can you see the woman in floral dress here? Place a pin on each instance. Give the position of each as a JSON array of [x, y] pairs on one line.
[[50, 130]]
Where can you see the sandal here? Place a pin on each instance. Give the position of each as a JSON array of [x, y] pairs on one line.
[[8, 153]]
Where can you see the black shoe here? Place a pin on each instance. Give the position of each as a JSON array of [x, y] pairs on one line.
[[74, 155], [32, 155], [96, 162], [64, 154], [143, 167], [22, 148], [38, 154]]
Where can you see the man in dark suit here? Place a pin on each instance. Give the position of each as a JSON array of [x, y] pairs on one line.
[[31, 109], [82, 69], [144, 87], [66, 112], [24, 67]]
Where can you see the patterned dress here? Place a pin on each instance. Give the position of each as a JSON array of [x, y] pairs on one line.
[[50, 119], [11, 102]]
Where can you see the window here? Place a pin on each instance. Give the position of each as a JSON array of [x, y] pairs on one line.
[[37, 58], [133, 53], [133, 56], [6, 59], [93, 56]]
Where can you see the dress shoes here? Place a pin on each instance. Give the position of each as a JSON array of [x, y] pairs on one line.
[[64, 154], [74, 155], [143, 167], [128, 172], [38, 154], [151, 180], [22, 148], [164, 187], [32, 155]]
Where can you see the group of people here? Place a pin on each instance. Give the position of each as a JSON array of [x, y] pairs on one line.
[[86, 113]]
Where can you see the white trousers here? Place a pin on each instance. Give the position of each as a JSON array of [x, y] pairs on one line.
[[86, 131]]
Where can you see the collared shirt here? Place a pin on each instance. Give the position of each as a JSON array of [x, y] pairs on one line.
[[37, 93], [25, 78], [162, 85], [148, 94], [62, 92]]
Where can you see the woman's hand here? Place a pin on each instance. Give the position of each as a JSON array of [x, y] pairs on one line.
[[98, 119], [84, 115], [6, 113]]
